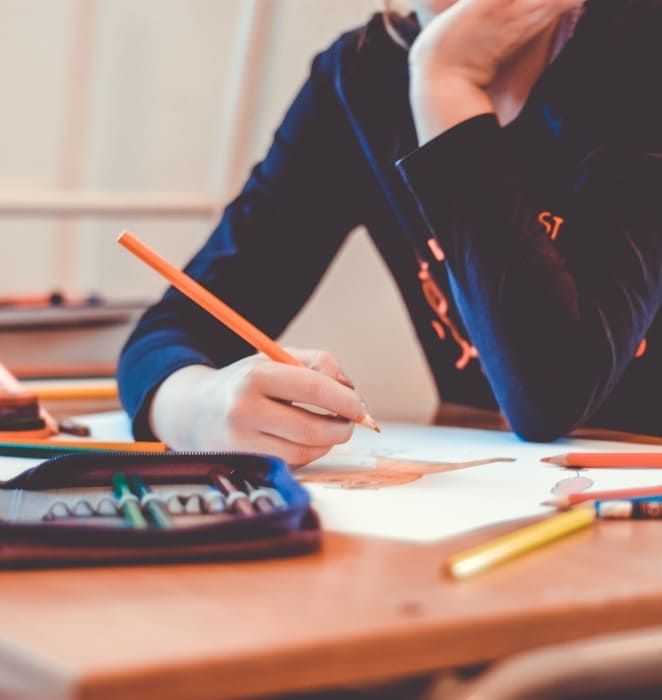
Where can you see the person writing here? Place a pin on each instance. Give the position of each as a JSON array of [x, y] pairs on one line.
[[506, 158]]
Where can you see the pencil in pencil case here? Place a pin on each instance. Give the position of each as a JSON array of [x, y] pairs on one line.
[[64, 511]]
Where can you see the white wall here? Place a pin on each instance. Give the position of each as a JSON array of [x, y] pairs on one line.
[[151, 120]]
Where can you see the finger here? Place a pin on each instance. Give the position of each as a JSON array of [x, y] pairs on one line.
[[303, 427], [303, 385], [323, 362], [294, 454]]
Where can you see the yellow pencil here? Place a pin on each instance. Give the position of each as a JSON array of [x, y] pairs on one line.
[[72, 392], [485, 556]]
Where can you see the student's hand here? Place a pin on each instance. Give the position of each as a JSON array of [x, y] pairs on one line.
[[247, 406], [458, 54]]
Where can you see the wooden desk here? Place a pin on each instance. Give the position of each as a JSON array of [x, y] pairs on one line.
[[362, 609]]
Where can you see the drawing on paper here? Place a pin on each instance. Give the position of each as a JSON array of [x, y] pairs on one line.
[[387, 471]]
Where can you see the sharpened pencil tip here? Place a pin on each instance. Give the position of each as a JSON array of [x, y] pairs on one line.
[[556, 502], [556, 459], [369, 422]]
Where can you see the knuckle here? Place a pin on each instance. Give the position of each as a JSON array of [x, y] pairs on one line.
[[314, 390], [314, 359], [312, 434], [325, 361]]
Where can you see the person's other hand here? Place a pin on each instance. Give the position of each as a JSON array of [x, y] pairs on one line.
[[458, 54], [471, 39]]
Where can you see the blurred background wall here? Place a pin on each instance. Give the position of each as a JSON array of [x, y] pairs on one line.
[[135, 97]]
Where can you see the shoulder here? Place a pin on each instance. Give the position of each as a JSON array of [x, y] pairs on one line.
[[364, 53]]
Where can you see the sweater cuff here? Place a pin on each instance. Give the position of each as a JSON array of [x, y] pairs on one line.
[[446, 172]]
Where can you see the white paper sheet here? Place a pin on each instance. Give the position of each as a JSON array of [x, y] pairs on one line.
[[441, 505], [435, 505]]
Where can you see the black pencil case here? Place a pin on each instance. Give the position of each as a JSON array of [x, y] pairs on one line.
[[63, 511]]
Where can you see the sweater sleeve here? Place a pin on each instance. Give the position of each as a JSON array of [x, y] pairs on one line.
[[554, 331], [270, 249]]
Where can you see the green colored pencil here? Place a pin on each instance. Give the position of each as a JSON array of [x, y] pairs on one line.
[[53, 448], [129, 503], [8, 449], [156, 511]]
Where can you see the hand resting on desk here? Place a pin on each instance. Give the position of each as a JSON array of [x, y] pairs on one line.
[[248, 406]]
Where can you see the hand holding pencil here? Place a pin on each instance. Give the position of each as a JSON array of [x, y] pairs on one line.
[[254, 404]]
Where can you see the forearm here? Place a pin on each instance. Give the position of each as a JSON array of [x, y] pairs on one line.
[[441, 94], [439, 104], [553, 334]]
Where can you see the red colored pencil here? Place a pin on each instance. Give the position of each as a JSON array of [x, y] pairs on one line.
[[572, 499]]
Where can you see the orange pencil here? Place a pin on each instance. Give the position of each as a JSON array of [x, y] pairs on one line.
[[608, 460], [218, 309]]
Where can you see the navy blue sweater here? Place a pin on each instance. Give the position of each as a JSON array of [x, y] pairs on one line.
[[543, 238]]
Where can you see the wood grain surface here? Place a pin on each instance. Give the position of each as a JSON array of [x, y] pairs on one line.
[[360, 610]]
